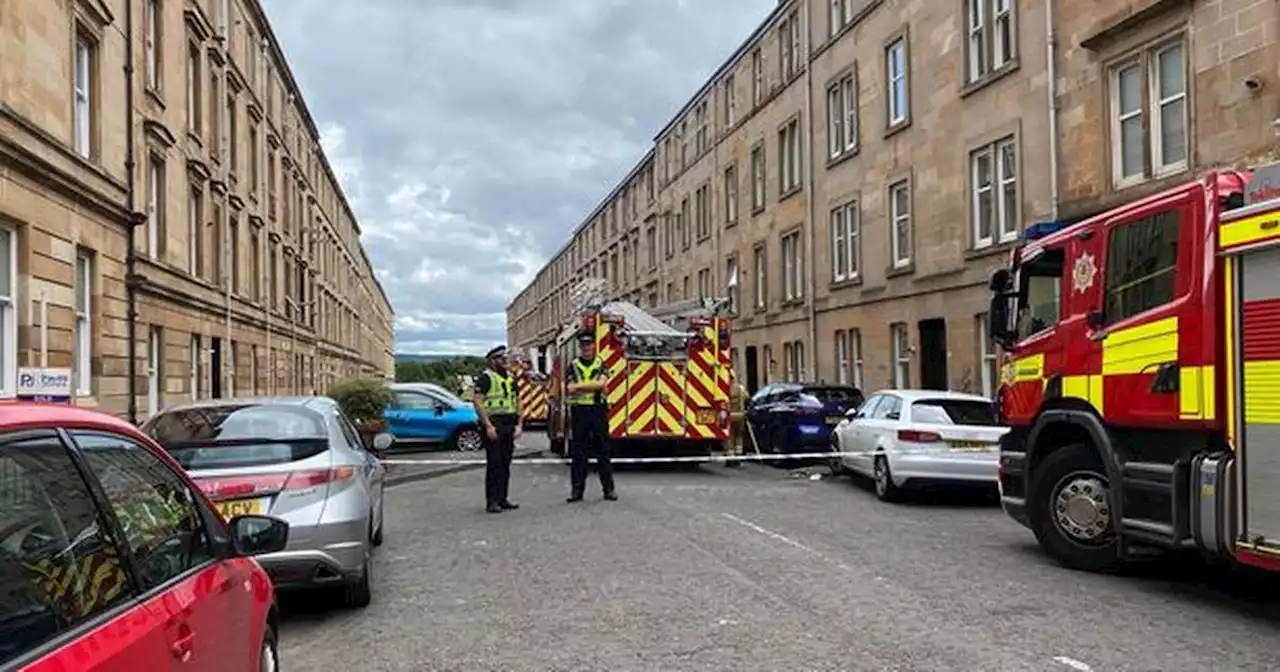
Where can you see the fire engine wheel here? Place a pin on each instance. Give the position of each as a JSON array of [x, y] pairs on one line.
[[466, 439], [1071, 509]]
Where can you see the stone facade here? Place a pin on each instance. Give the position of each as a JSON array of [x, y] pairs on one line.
[[249, 276], [967, 147]]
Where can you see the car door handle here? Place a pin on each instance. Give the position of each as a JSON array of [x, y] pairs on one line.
[[184, 644]]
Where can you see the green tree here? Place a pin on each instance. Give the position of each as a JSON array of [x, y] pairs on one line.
[[441, 372]]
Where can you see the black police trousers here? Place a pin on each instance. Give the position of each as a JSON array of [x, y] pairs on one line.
[[497, 458], [590, 438]]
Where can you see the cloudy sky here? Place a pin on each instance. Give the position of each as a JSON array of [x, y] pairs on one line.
[[471, 136]]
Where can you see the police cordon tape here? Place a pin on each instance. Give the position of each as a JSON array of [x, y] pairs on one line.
[[718, 457]]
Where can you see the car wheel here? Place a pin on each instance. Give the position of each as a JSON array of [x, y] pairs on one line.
[[376, 538], [359, 592], [466, 439], [885, 489], [269, 657], [1071, 509]]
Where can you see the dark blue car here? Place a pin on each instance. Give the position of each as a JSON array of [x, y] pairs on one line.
[[798, 417]]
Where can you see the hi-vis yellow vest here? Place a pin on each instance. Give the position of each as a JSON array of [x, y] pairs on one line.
[[501, 397], [586, 374]]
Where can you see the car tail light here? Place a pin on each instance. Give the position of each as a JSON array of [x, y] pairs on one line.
[[260, 485], [913, 436]]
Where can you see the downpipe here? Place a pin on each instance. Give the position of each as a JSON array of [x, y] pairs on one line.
[[227, 349], [1051, 53], [810, 200], [135, 219]]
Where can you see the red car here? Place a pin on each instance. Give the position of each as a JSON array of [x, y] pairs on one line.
[[112, 559]]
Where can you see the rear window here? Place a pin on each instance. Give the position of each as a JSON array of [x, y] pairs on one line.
[[954, 412], [219, 437], [827, 395]]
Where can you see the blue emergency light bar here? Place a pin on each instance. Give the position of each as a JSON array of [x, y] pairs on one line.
[[1039, 230]]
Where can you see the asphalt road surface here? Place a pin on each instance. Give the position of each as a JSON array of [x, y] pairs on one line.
[[756, 569]]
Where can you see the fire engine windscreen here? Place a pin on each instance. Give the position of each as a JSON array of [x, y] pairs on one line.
[[1039, 292]]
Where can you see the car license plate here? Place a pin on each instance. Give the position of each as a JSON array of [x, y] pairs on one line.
[[970, 446], [834, 420], [238, 507], [706, 416]]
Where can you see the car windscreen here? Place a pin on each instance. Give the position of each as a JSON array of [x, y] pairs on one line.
[[829, 395], [220, 437], [954, 412]]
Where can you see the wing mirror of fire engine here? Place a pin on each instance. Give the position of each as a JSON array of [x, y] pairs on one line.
[[998, 320], [1097, 319]]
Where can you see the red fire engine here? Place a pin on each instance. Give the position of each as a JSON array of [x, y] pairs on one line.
[[1142, 379]]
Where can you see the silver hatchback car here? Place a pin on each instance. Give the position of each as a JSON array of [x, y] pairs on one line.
[[296, 458]]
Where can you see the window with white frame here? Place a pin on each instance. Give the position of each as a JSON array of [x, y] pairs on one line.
[[757, 177], [855, 354], [994, 193], [8, 311], [845, 248], [842, 357], [83, 85], [901, 356], [253, 369], [83, 286], [990, 364], [841, 15], [757, 76], [842, 117], [797, 361], [195, 108], [731, 195], [195, 232], [761, 290], [789, 61], [732, 285], [702, 214], [153, 23], [897, 81], [155, 205], [992, 38], [900, 224], [789, 156], [155, 370], [768, 364], [704, 283], [196, 359], [788, 362], [792, 267], [1149, 115], [730, 100]]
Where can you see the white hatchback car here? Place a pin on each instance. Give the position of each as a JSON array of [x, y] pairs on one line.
[[914, 436]]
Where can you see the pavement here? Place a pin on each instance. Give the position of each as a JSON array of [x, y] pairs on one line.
[[756, 569]]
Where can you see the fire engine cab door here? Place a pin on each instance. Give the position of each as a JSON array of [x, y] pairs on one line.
[[1146, 274], [1258, 345]]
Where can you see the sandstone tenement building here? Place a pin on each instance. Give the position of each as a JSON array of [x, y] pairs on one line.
[[190, 188], [855, 170]]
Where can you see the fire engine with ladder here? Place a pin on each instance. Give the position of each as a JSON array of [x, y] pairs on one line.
[[531, 390], [667, 390], [1141, 378]]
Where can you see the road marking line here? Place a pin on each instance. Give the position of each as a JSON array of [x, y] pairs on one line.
[[1073, 663], [785, 539]]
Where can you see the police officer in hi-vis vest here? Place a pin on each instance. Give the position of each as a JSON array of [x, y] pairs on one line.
[[584, 379], [495, 403]]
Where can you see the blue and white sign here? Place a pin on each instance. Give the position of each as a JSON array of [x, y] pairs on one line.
[[37, 384]]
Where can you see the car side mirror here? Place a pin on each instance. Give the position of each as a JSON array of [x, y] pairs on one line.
[[851, 413], [257, 535], [382, 442], [439, 410]]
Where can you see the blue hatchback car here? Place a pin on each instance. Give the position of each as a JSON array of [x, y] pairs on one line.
[[798, 417], [423, 413]]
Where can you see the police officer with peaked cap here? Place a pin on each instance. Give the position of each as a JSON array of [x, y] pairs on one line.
[[584, 378], [497, 406]]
